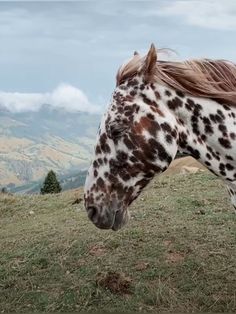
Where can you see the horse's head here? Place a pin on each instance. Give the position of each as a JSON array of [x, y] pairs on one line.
[[129, 149]]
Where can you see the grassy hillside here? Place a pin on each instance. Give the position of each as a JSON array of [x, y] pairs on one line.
[[32, 143], [177, 253]]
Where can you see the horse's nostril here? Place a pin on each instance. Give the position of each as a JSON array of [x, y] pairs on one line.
[[92, 211]]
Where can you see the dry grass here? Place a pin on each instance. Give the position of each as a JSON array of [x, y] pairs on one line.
[[177, 253]]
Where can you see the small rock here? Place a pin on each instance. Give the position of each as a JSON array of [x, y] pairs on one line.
[[201, 212], [77, 201]]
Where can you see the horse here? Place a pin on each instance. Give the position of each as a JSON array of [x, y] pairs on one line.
[[158, 109]]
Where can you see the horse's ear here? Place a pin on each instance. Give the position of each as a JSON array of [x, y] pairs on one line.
[[136, 53], [150, 61]]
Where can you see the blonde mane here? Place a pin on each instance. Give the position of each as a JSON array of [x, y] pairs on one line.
[[207, 78]]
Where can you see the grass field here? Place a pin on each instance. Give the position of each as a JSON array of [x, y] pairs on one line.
[[177, 254]]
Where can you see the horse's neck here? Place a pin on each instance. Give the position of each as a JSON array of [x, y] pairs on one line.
[[206, 128]]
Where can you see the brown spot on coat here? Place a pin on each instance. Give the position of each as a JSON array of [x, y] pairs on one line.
[[175, 103], [225, 142]]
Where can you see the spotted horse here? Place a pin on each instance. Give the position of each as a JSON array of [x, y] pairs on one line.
[[158, 109]]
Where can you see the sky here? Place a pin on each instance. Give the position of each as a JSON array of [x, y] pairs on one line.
[[67, 53]]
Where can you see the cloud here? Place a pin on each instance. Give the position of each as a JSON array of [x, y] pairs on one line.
[[85, 42], [64, 96], [219, 15]]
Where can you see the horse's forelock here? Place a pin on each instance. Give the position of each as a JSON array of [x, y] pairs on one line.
[[128, 69], [200, 77]]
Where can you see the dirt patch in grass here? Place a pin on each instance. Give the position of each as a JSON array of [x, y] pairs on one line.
[[97, 250], [175, 257], [141, 266], [117, 283]]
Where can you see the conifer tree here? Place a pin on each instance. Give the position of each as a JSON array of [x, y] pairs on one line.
[[51, 184]]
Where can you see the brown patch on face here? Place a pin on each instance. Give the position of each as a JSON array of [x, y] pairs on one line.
[[129, 144], [113, 179], [158, 96], [124, 175], [150, 116], [157, 110], [128, 98], [100, 183], [128, 110], [146, 124]]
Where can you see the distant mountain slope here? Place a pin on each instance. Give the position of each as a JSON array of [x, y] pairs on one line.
[[68, 182], [31, 143]]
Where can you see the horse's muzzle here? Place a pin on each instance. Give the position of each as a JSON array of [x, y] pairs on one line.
[[109, 219], [104, 221]]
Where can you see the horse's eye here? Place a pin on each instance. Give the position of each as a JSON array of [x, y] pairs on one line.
[[116, 131]]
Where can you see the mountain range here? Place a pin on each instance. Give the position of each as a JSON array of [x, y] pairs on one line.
[[34, 142]]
